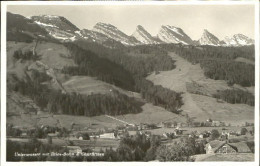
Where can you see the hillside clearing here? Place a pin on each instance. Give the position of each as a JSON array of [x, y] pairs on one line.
[[201, 106], [89, 85]]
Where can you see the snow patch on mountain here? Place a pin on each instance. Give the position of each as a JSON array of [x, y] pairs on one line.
[[43, 24], [238, 40]]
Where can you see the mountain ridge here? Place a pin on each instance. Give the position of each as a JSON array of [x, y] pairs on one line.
[[63, 30]]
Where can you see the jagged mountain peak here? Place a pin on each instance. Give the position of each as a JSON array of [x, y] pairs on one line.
[[140, 27], [105, 25], [55, 21], [208, 38], [143, 36], [114, 33], [238, 40], [205, 31], [57, 26], [172, 34]]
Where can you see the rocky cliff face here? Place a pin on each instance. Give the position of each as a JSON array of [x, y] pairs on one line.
[[143, 36], [171, 34], [208, 38], [238, 40], [115, 34]]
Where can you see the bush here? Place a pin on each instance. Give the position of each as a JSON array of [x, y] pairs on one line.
[[215, 134], [243, 131]]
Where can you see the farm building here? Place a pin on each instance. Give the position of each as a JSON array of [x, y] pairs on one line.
[[169, 124], [145, 126], [224, 147], [108, 135], [216, 146]]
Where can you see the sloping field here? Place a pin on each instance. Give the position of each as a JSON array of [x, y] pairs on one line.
[[200, 106], [151, 114], [18, 115], [90, 85], [54, 55], [14, 66]]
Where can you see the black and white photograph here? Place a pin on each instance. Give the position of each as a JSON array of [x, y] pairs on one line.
[[130, 82]]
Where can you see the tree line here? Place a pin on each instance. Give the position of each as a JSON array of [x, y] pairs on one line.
[[191, 53], [138, 60], [27, 55], [88, 63], [233, 72], [114, 103], [38, 132], [93, 105], [219, 62], [234, 96], [158, 95]]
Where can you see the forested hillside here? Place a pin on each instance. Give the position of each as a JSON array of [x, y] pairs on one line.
[[219, 62], [137, 66], [233, 72], [73, 104], [138, 60], [235, 96], [91, 64]]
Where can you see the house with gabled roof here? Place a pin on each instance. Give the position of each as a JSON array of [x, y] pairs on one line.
[[217, 146]]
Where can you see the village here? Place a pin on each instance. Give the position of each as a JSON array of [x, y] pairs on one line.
[[218, 137]]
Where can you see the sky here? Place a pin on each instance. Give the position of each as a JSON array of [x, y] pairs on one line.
[[221, 20]]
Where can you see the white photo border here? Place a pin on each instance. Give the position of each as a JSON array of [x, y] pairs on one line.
[[3, 79]]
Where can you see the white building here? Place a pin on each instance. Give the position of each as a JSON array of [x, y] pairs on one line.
[[108, 135]]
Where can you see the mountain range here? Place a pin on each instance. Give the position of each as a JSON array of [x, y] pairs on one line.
[[60, 28]]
